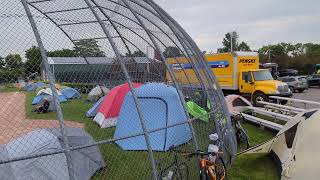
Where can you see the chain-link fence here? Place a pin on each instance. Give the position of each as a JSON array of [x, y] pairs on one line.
[[103, 89]]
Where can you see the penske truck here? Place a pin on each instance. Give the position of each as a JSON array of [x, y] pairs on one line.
[[237, 73]]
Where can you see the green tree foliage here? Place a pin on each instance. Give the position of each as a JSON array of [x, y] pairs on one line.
[[243, 47], [136, 53], [13, 61], [88, 48], [2, 63], [12, 68], [63, 53], [302, 57], [232, 38], [312, 50], [172, 51], [34, 61]]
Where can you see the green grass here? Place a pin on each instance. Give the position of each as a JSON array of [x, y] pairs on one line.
[[135, 165], [8, 88], [254, 166]]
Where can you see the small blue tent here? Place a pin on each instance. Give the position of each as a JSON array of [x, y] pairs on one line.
[[161, 107], [30, 87], [94, 109], [70, 93], [39, 84], [38, 99]]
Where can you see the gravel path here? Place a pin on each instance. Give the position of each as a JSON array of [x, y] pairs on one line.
[[13, 122]]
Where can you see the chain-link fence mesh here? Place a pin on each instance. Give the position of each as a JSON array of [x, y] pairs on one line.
[[103, 89]]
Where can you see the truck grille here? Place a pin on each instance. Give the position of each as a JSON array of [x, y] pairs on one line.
[[283, 88]]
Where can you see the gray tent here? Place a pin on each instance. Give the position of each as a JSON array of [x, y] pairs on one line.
[[96, 93], [296, 147], [85, 161]]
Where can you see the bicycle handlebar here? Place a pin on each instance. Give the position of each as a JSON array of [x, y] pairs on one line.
[[201, 153]]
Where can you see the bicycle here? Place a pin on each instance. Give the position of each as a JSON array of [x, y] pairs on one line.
[[175, 171], [211, 165], [241, 134]]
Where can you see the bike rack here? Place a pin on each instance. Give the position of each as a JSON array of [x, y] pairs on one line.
[[305, 102], [262, 122]]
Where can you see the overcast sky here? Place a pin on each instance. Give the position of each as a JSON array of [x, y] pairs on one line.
[[258, 22]]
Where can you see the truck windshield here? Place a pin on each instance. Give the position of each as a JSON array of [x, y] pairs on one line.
[[262, 75]]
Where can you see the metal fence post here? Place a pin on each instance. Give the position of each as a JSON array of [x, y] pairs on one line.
[[167, 66], [52, 87], [135, 98], [209, 75]]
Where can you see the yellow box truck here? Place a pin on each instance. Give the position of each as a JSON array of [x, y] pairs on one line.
[[236, 72]]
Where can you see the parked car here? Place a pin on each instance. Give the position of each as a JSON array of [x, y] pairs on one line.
[[295, 83], [314, 80], [288, 72]]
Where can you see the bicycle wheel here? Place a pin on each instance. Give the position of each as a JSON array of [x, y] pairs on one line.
[[182, 172], [242, 139], [220, 169], [175, 172]]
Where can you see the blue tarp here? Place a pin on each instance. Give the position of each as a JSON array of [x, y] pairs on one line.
[[94, 109], [70, 93], [37, 99], [161, 107]]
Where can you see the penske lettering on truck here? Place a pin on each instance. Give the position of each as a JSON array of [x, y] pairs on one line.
[[247, 61]]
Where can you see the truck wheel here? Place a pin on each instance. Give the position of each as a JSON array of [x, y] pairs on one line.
[[259, 97]]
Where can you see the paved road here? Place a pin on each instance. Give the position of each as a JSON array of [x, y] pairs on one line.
[[13, 122], [313, 94]]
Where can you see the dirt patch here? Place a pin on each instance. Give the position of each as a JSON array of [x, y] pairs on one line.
[[13, 122]]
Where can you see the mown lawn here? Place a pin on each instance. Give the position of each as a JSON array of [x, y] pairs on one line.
[[135, 165]]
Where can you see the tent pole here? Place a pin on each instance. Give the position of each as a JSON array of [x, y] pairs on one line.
[[52, 87]]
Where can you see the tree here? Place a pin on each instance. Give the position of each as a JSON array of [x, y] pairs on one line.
[[312, 50], [13, 61], [2, 63], [13, 68], [136, 53], [63, 53], [172, 51], [227, 42], [243, 47], [88, 48], [34, 60]]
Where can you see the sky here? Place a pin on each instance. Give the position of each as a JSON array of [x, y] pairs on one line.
[[258, 22]]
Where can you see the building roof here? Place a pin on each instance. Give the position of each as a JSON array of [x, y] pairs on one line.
[[96, 60], [79, 60]]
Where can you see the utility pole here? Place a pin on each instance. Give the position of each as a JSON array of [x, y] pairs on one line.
[[231, 34], [269, 51]]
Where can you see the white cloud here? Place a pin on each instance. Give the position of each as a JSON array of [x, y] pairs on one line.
[[257, 22]]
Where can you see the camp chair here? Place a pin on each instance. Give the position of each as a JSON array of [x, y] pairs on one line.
[[196, 111]]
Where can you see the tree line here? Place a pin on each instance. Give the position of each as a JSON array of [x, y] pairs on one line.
[[300, 56], [12, 66]]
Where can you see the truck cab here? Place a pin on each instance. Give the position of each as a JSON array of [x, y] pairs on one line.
[[260, 84]]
